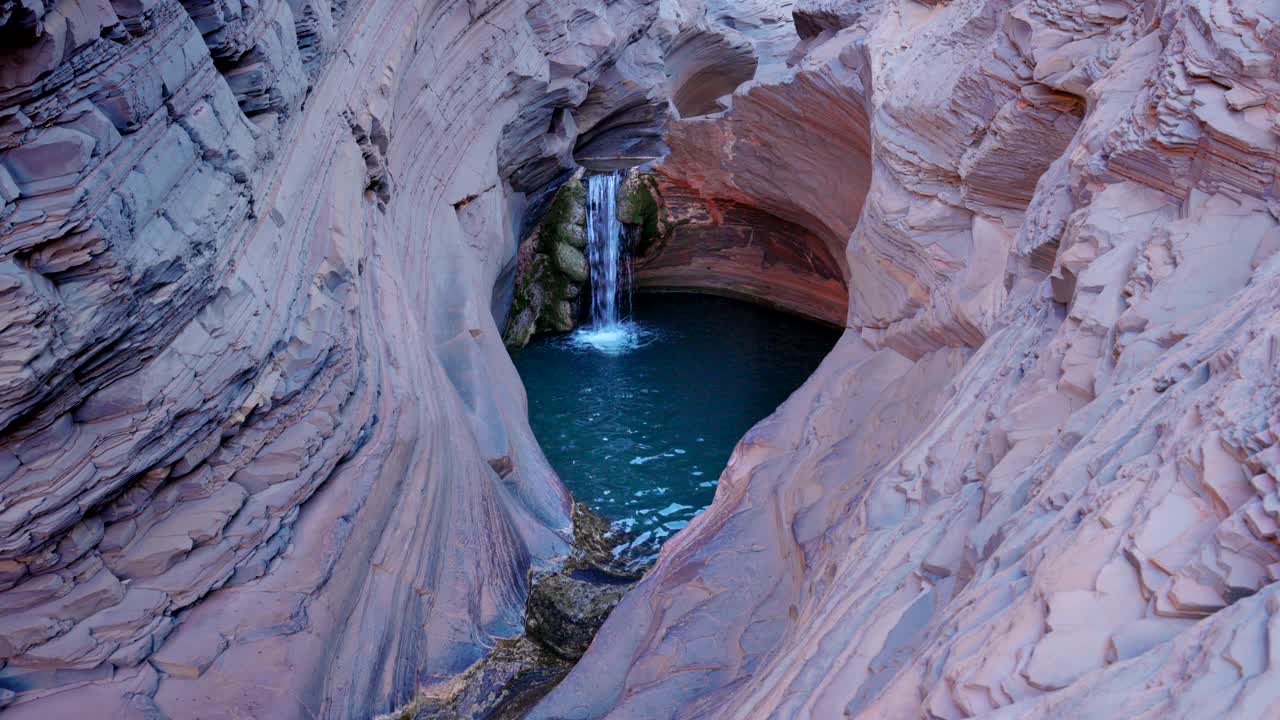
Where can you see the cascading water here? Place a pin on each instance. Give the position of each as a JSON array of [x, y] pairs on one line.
[[604, 240], [609, 331]]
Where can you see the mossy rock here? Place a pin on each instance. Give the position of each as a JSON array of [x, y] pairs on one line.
[[567, 606], [577, 210], [504, 685], [638, 207], [571, 262], [553, 269], [520, 329], [575, 235], [566, 219], [559, 316], [565, 609]]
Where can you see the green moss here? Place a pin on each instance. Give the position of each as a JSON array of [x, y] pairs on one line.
[[639, 208], [527, 302], [562, 286], [554, 270], [548, 290], [565, 221], [571, 263], [559, 316]]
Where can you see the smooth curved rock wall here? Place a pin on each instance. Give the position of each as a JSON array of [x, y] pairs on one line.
[[249, 251], [1038, 475], [262, 452], [727, 248], [760, 200]]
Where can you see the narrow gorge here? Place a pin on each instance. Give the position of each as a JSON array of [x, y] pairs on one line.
[[284, 284]]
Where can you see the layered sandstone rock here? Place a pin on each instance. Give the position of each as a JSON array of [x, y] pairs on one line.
[[685, 241], [1038, 476], [761, 200], [263, 452]]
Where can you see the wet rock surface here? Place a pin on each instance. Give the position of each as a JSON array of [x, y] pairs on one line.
[[566, 609], [510, 680], [567, 606]]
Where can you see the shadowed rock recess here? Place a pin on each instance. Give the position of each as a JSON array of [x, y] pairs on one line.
[[263, 452]]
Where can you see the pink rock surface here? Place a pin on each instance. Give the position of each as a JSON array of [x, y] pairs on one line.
[[253, 395], [1036, 478], [715, 245]]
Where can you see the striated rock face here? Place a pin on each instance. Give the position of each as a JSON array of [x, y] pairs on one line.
[[687, 242], [1038, 476], [263, 454], [761, 200], [262, 451]]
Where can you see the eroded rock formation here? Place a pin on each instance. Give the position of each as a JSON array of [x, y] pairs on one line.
[[262, 451], [1038, 476], [686, 241]]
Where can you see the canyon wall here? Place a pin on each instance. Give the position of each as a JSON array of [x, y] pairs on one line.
[[1037, 478], [760, 200], [262, 451], [718, 245]]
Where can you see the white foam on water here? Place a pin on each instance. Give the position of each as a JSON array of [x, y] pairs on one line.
[[673, 508], [616, 339]]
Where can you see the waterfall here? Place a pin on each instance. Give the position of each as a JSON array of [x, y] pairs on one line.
[[610, 331], [610, 268]]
